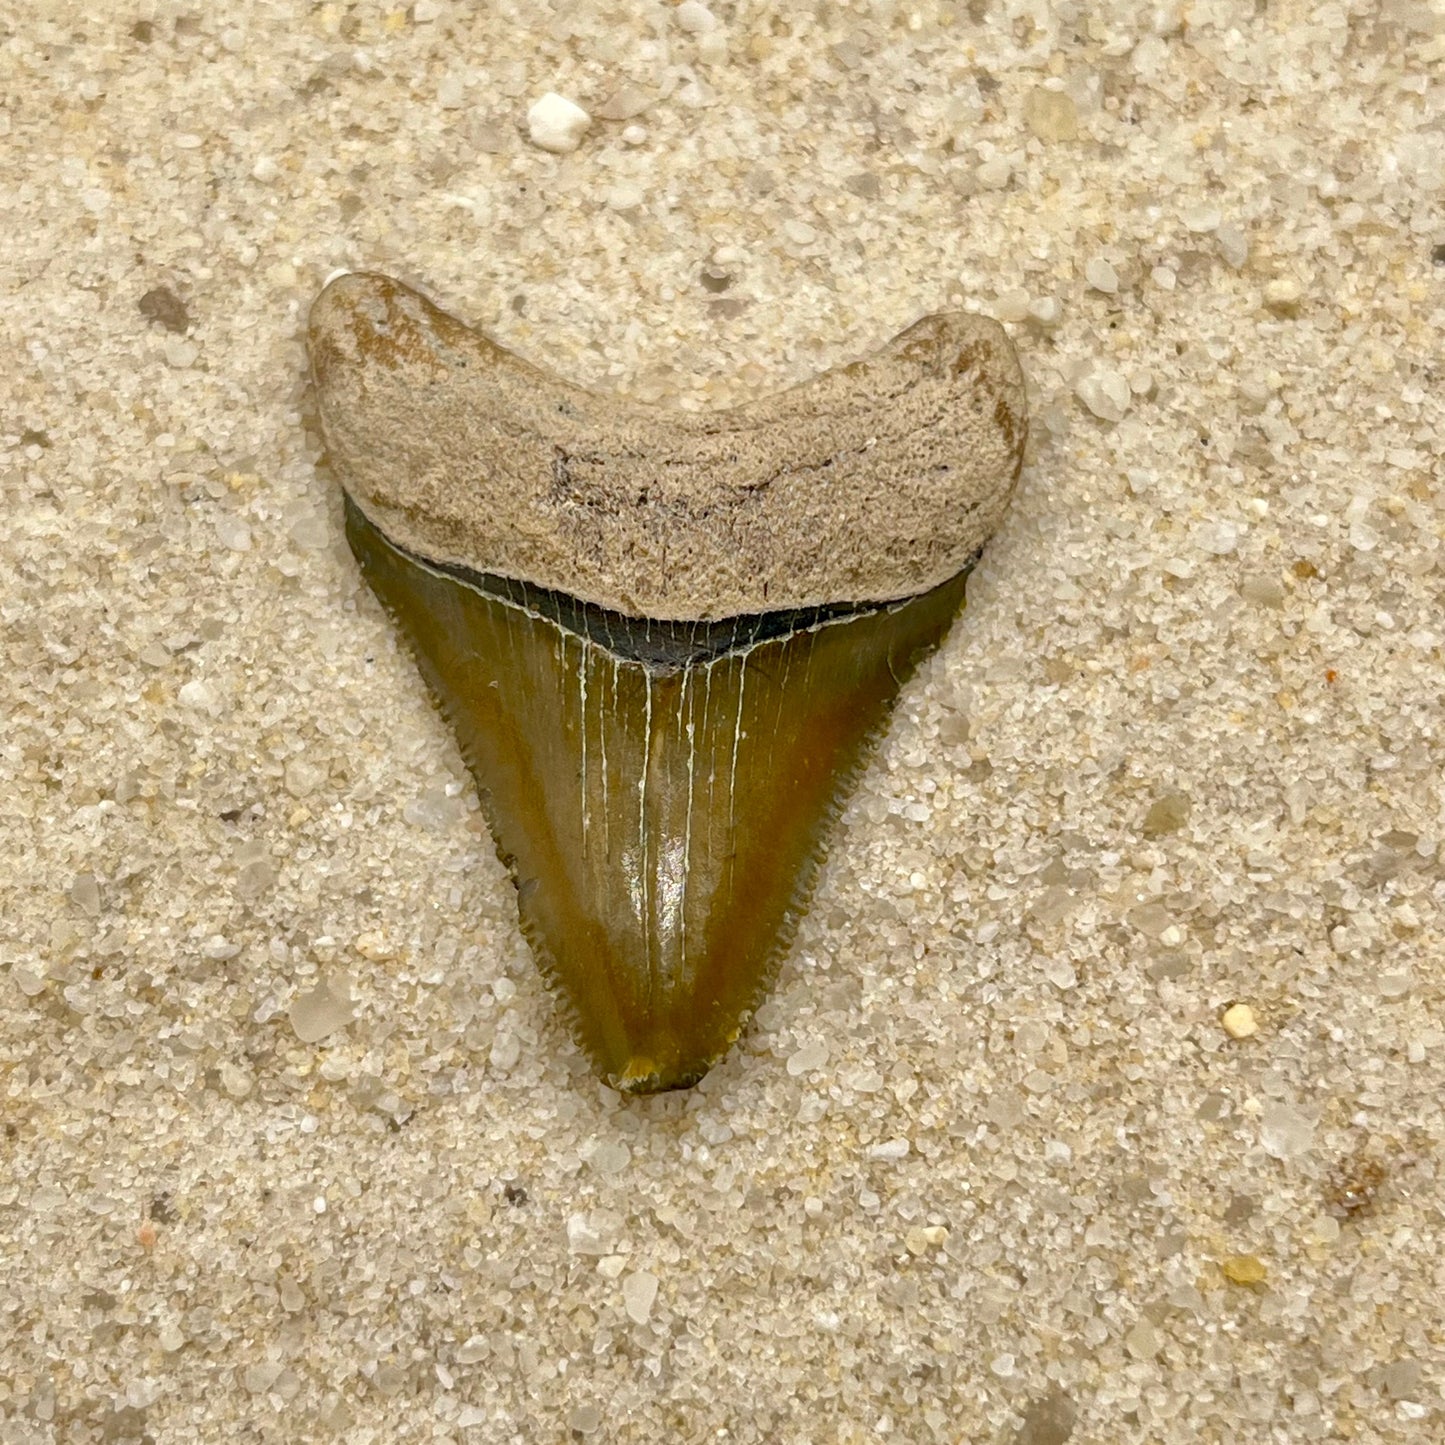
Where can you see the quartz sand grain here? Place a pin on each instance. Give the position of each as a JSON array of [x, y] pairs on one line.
[[1181, 751]]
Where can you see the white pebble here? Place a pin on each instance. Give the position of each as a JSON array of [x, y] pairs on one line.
[[1239, 1021], [506, 1051], [634, 135], [320, 1011], [1233, 246], [234, 533], [994, 174], [1046, 311], [811, 1056], [1218, 538], [1102, 276], [625, 196], [1285, 1132], [556, 124], [584, 1419], [1012, 306], [235, 1080], [890, 1150], [608, 1156], [588, 1235], [639, 1294], [1283, 293], [198, 695], [311, 532], [181, 353], [302, 778], [694, 18], [1106, 394], [1203, 219]]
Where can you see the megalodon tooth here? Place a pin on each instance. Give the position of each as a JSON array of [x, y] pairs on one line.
[[664, 639]]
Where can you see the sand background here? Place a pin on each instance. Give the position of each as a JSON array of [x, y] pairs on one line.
[[988, 1167]]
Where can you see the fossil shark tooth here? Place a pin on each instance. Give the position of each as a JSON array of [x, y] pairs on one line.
[[664, 639], [657, 789]]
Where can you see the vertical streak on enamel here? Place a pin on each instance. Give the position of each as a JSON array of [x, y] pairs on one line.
[[782, 692], [686, 720], [646, 868], [711, 752], [511, 643], [582, 690], [603, 713], [737, 733]]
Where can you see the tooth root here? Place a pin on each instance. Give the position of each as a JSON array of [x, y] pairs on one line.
[[662, 927], [873, 481]]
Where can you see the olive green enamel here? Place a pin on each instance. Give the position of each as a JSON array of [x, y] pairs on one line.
[[663, 825]]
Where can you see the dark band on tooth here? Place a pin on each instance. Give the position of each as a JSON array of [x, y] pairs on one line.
[[659, 643]]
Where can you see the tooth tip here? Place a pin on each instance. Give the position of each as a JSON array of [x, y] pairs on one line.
[[643, 1075], [664, 1083]]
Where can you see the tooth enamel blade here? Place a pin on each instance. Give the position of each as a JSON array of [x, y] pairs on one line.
[[662, 818]]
